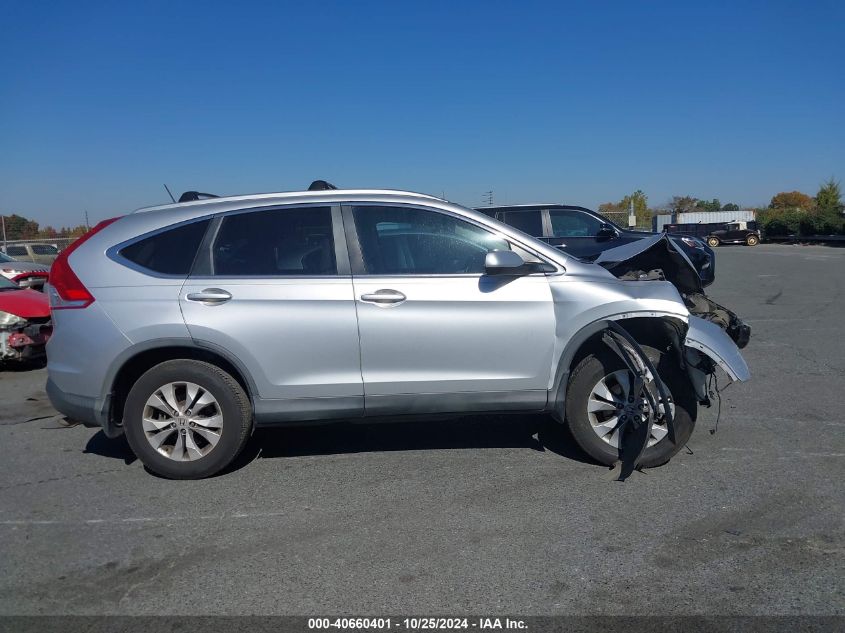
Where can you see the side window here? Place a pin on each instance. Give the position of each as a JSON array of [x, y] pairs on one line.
[[530, 222], [16, 251], [406, 241], [570, 223], [44, 249], [170, 252], [278, 242]]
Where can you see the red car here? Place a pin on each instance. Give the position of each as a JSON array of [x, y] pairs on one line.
[[24, 322]]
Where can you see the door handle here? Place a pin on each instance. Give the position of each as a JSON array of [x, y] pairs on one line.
[[210, 296], [384, 297]]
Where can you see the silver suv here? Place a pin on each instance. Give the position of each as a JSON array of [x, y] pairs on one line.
[[186, 326]]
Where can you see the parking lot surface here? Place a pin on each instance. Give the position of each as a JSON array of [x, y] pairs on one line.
[[489, 515]]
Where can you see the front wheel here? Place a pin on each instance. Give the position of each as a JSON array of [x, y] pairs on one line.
[[752, 240], [186, 419], [712, 241], [598, 389]]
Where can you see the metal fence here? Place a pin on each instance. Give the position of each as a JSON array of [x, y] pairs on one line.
[[60, 243], [620, 218]]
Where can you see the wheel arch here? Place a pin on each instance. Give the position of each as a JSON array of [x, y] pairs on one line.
[[668, 334], [138, 359]]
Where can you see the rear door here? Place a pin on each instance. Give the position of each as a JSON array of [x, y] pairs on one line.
[[437, 333], [272, 288], [528, 221]]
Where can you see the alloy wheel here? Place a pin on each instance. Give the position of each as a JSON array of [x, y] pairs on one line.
[[182, 421], [610, 408]]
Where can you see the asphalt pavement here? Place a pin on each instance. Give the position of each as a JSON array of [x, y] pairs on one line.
[[493, 515]]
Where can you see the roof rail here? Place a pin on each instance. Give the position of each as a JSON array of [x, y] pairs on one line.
[[321, 185], [190, 196]]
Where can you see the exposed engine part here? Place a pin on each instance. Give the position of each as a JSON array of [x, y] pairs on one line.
[[701, 305], [662, 261]]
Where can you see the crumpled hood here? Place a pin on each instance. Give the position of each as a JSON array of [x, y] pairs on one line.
[[25, 303], [658, 252]]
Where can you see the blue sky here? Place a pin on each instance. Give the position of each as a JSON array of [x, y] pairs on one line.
[[102, 102]]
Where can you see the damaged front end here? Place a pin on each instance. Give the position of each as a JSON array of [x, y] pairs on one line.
[[25, 325], [658, 258]]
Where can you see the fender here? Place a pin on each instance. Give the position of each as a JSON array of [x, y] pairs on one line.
[[712, 340], [557, 394], [103, 403]]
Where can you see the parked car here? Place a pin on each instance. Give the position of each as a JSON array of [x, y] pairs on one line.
[[25, 274], [37, 253], [219, 315], [24, 322], [584, 233], [734, 233]]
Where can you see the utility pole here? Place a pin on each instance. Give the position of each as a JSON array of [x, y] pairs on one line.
[[87, 226], [488, 198], [3, 221]]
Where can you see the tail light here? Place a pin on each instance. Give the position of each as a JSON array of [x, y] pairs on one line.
[[66, 290]]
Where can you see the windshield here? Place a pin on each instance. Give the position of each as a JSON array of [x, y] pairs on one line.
[[5, 258]]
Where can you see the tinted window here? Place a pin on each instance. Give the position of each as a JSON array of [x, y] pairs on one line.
[[44, 249], [170, 252], [16, 251], [278, 242], [530, 222], [566, 223], [398, 240]]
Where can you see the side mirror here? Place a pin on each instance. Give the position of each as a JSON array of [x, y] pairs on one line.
[[503, 263], [606, 231]]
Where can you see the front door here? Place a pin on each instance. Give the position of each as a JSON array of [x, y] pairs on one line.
[[276, 295], [437, 333]]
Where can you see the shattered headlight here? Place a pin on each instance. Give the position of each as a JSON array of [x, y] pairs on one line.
[[9, 320], [692, 242]]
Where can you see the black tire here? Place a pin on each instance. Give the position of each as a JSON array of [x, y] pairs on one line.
[[712, 242], [752, 240], [234, 406], [604, 362]]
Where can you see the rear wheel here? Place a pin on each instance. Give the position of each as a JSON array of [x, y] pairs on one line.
[[752, 240], [712, 241], [599, 388], [186, 419]]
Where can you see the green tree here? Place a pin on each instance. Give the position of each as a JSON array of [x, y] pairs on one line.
[[829, 197], [713, 205], [730, 206], [19, 228], [640, 202], [683, 204], [792, 200]]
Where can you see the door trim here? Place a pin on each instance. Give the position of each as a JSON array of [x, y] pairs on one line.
[[455, 402]]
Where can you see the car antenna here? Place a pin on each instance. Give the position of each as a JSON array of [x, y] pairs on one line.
[[168, 193]]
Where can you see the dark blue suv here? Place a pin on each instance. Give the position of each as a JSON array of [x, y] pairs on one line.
[[585, 234]]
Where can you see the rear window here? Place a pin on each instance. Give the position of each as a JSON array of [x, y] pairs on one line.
[[170, 252]]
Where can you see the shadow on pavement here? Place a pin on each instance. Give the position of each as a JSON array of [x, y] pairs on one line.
[[539, 433], [117, 448]]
